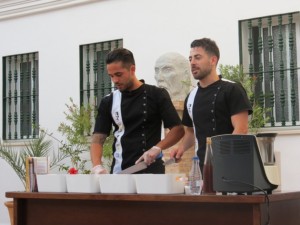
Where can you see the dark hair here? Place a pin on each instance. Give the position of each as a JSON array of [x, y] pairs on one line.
[[208, 45], [120, 55]]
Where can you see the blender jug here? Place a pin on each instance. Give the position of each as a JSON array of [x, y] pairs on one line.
[[266, 147]]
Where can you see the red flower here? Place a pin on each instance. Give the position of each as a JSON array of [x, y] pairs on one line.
[[72, 171]]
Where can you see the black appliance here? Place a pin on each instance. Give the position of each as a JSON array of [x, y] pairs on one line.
[[237, 165]]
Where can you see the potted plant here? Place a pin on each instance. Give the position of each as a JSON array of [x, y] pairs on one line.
[[76, 145], [76, 130], [39, 147], [16, 158]]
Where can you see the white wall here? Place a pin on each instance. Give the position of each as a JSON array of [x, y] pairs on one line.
[[287, 145], [148, 28], [8, 181]]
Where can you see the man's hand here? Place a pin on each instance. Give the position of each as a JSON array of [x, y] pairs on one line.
[[99, 169], [177, 153], [149, 156], [187, 142]]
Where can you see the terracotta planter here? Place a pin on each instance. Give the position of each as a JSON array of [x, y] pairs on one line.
[[10, 207]]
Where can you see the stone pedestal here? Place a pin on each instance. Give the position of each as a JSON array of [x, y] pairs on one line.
[[184, 165]]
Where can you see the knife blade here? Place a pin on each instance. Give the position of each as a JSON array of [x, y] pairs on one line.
[[169, 161], [138, 167], [135, 168]]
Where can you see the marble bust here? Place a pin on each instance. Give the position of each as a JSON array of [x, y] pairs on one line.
[[172, 72]]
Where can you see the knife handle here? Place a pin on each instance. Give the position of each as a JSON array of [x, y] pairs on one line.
[[160, 155]]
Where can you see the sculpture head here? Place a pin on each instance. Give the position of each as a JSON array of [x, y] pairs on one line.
[[172, 72]]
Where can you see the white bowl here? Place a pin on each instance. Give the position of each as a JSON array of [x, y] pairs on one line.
[[117, 183], [83, 183], [160, 183], [51, 182]]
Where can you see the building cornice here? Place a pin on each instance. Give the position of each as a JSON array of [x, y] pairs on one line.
[[15, 8]]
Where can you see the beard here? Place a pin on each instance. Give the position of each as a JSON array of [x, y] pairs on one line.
[[201, 73], [127, 86]]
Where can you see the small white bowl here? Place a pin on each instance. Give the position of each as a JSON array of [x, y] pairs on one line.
[[117, 183], [51, 182], [160, 183], [83, 183]]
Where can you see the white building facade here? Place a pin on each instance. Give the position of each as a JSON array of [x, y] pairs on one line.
[[55, 34]]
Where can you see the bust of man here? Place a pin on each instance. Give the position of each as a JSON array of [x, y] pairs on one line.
[[172, 72]]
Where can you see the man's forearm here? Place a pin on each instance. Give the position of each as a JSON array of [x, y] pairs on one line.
[[96, 154], [174, 135], [240, 123], [97, 148], [188, 139]]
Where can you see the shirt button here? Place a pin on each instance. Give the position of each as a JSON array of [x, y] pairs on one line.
[[143, 135], [214, 129], [212, 111], [213, 120]]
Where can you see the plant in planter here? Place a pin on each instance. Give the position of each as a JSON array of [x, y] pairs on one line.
[[76, 131], [40, 147], [16, 158], [76, 144], [235, 73]]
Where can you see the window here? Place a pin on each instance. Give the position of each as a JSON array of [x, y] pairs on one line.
[[94, 80], [20, 96], [270, 53]]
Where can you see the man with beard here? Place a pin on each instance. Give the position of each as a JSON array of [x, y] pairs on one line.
[[216, 106], [136, 111]]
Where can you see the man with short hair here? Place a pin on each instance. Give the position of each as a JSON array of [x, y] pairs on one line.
[[136, 111], [216, 106]]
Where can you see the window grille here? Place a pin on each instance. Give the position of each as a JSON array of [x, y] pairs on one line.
[[95, 83], [20, 96], [270, 54]]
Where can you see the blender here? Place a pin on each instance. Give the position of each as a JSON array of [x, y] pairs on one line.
[[266, 148]]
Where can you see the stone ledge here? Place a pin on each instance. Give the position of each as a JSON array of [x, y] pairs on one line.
[[15, 8], [288, 130]]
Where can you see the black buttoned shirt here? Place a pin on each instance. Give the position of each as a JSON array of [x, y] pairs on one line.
[[142, 112], [212, 110]]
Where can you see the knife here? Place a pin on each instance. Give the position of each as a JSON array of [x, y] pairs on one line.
[[169, 161], [135, 168]]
